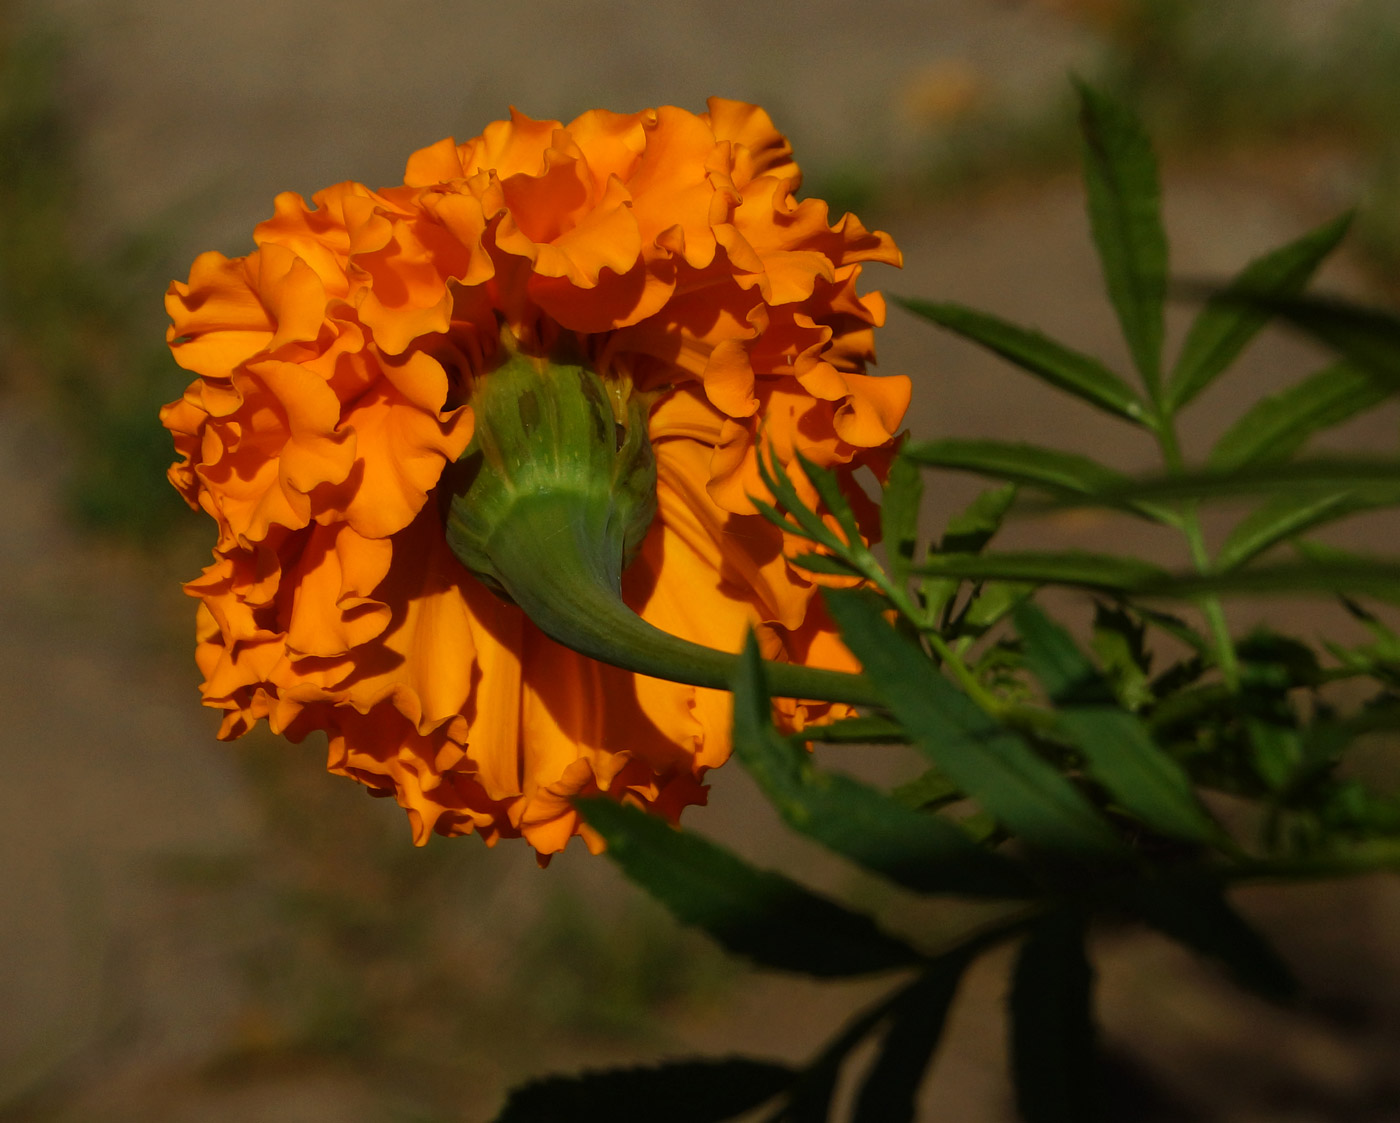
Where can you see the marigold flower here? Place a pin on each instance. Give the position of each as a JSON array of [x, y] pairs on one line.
[[334, 365]]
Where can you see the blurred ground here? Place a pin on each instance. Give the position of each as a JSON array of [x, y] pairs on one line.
[[190, 931]]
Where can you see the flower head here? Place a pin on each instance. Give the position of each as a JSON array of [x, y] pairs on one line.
[[334, 366]]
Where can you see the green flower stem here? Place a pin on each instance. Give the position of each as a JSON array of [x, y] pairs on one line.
[[554, 564], [1164, 425]]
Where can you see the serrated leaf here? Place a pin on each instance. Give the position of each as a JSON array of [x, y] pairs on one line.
[[1120, 643], [992, 764], [890, 1090], [966, 533], [899, 516], [810, 1101], [1065, 369], [1225, 326], [1054, 658], [678, 1091], [1279, 519], [1324, 553], [1124, 198], [994, 600], [754, 913], [1054, 1042], [1196, 913], [1276, 427], [924, 853], [1060, 473], [1104, 572], [1117, 748]]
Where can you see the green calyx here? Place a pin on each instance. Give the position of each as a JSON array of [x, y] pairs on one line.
[[557, 430], [550, 502]]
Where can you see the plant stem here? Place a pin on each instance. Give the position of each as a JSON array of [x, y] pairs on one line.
[[563, 575], [1164, 425]]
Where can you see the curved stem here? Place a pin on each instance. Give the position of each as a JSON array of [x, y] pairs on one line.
[[564, 575]]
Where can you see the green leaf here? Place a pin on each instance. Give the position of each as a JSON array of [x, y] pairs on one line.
[[829, 489], [1279, 519], [1074, 568], [1124, 196], [1379, 578], [889, 1093], [1196, 913], [1277, 426], [754, 913], [810, 1101], [1118, 751], [1368, 337], [928, 789], [1119, 641], [967, 532], [1060, 473], [865, 730], [678, 1091], [925, 853], [1324, 553], [1376, 478], [1054, 1043], [1068, 677], [991, 764], [1149, 784], [994, 600], [807, 522], [1225, 326], [899, 516], [973, 527], [1079, 374], [825, 563]]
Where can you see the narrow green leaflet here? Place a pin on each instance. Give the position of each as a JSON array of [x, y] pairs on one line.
[[1117, 748], [1104, 572], [1017, 463], [810, 1099], [1368, 337], [1276, 427], [1377, 477], [925, 853], [802, 519], [1379, 578], [1225, 325], [899, 516], [1196, 913], [993, 765], [864, 730], [1079, 374], [1279, 519], [678, 1091], [1054, 658], [754, 913], [827, 487], [1060, 473], [889, 1093], [966, 533], [928, 789], [1054, 1042], [1124, 196]]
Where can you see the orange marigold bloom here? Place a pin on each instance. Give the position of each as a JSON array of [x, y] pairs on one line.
[[334, 363]]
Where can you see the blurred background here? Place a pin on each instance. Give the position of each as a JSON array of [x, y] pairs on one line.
[[198, 931]]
